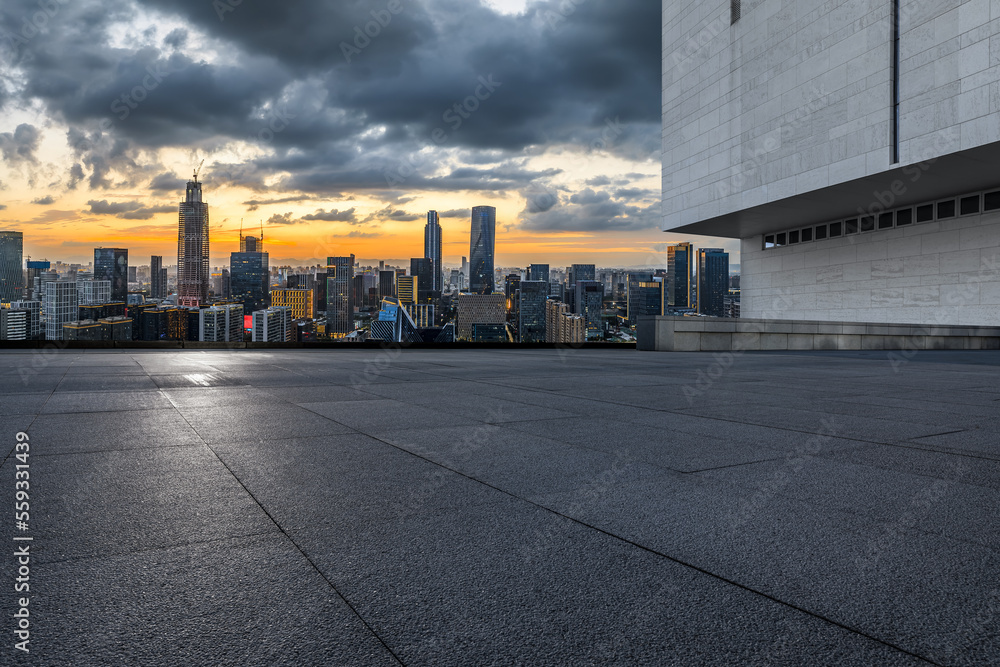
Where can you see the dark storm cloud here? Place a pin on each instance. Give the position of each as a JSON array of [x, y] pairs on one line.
[[438, 73], [103, 207], [47, 200], [147, 212], [19, 145], [167, 181], [592, 211], [333, 215]]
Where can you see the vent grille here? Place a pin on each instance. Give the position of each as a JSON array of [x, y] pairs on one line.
[[736, 9]]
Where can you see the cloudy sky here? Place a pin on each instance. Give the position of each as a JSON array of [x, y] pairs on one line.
[[336, 124]]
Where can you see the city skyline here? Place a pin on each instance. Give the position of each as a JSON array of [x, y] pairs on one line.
[[572, 172]]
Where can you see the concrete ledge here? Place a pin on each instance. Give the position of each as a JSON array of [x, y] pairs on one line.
[[709, 334]]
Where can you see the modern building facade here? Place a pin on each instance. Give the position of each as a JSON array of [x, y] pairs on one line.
[[14, 324], [221, 324], [157, 278], [407, 289], [532, 297], [680, 268], [59, 307], [645, 297], [11, 263], [192, 248], [589, 300], [478, 309], [35, 269], [432, 251], [299, 300], [273, 325], [422, 268], [713, 281], [562, 326], [393, 323], [852, 149], [481, 250], [538, 272], [249, 280], [339, 301], [95, 292], [35, 330]]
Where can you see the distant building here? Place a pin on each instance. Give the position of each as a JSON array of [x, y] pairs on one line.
[[59, 307], [422, 268], [561, 326], [111, 264], [35, 269], [11, 262], [92, 292], [422, 314], [192, 248], [532, 297], [680, 265], [590, 304], [135, 314], [221, 323], [273, 325], [579, 272], [170, 323], [432, 251], [713, 281], [249, 279], [116, 328], [386, 285], [538, 272], [251, 243], [481, 251], [98, 311], [34, 310], [645, 297], [339, 304], [299, 300], [88, 330], [14, 324], [157, 277], [478, 309], [407, 288], [393, 323], [490, 333]]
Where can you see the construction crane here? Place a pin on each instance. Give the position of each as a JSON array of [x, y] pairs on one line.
[[198, 169]]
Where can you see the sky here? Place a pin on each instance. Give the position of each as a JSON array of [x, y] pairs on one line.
[[335, 126]]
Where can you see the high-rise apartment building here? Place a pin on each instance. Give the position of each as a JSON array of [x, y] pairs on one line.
[[60, 306], [35, 269], [680, 267], [94, 292], [481, 249], [222, 323], [192, 247], [249, 280], [157, 277], [589, 302], [14, 324], [432, 251], [339, 304], [713, 281], [35, 330], [562, 326], [532, 297], [386, 284], [852, 148], [11, 263], [273, 325], [300, 301]]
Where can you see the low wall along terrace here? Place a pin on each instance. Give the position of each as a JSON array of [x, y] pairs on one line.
[[709, 334]]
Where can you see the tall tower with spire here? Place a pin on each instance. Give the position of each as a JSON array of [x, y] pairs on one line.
[[192, 247], [432, 250]]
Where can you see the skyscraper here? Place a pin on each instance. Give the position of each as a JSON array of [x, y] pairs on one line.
[[192, 247], [422, 268], [645, 297], [481, 248], [532, 296], [111, 264], [157, 277], [339, 304], [249, 280], [386, 284], [60, 307], [432, 251], [11, 257], [35, 269], [713, 281], [538, 272], [680, 257], [407, 288], [590, 303]]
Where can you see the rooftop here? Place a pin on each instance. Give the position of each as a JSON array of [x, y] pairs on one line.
[[465, 507]]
